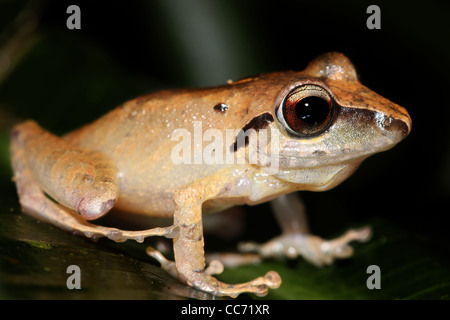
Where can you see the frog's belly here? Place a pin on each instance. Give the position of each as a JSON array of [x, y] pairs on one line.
[[162, 205], [149, 189], [156, 205]]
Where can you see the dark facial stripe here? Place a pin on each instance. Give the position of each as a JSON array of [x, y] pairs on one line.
[[257, 123]]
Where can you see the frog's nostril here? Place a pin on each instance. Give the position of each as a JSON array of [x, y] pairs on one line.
[[398, 126]]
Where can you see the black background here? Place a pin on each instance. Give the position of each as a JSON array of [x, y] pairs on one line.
[[150, 45]]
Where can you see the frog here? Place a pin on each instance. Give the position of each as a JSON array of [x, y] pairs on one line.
[[318, 125]]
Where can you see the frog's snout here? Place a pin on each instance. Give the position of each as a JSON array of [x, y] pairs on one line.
[[396, 128]]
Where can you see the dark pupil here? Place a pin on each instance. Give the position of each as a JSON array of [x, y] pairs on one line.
[[312, 110]]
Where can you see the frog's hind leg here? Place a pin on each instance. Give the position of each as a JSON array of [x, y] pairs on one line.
[[296, 240], [78, 180]]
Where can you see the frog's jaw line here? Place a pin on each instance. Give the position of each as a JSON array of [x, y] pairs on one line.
[[320, 178]]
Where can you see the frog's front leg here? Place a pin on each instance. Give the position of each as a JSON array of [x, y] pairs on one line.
[[296, 240], [82, 183], [189, 244]]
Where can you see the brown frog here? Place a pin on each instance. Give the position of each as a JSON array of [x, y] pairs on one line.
[[182, 153]]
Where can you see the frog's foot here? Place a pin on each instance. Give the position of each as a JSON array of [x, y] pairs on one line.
[[167, 265], [259, 286], [314, 249], [95, 231], [204, 281]]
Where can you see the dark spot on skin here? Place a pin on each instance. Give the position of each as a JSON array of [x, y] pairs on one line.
[[225, 188], [319, 153], [221, 107], [257, 123], [346, 150]]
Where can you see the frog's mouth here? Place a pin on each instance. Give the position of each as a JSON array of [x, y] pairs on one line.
[[318, 159], [319, 179], [312, 174]]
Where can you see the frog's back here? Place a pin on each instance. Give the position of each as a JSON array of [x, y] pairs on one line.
[[137, 137]]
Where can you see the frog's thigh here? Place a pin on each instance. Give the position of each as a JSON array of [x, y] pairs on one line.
[[79, 179], [188, 244], [35, 203]]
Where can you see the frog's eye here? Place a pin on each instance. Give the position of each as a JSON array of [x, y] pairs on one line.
[[307, 110]]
